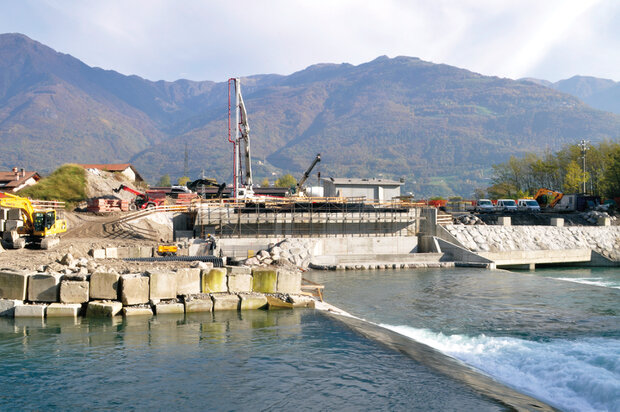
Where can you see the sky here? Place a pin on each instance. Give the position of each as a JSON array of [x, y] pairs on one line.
[[215, 40]]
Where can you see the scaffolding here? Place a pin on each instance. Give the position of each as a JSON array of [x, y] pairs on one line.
[[306, 217]]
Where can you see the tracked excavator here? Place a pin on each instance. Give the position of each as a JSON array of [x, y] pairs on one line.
[[207, 182], [40, 226]]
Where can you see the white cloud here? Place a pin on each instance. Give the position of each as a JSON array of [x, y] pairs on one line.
[[213, 40]]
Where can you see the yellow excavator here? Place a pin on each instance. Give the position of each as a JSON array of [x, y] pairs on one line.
[[40, 227]]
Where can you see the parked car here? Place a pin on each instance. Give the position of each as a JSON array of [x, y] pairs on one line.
[[506, 205], [528, 205], [484, 206]]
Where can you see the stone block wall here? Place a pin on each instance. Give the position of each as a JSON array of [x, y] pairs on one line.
[[106, 293]]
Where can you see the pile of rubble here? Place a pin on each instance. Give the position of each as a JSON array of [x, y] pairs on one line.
[[297, 252], [467, 220], [593, 216]]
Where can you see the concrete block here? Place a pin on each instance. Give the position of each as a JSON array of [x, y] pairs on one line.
[[265, 280], [134, 251], [225, 301], [240, 283], [4, 214], [13, 284], [103, 309], [557, 221], [44, 287], [134, 289], [30, 311], [146, 251], [63, 310], [74, 291], [289, 282], [137, 311], [7, 307], [214, 281], [12, 224], [603, 221], [238, 270], [97, 253], [104, 285], [504, 221], [251, 302], [111, 253], [163, 285], [301, 301], [14, 214], [198, 304], [188, 281], [169, 308], [122, 252]]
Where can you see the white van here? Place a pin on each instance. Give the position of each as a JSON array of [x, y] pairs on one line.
[[528, 205], [506, 205]]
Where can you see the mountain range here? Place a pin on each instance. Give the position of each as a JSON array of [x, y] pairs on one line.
[[440, 127]]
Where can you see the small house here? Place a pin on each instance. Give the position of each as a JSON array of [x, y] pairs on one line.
[[371, 189], [123, 168], [17, 179]]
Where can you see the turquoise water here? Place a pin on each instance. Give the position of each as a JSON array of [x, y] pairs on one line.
[[259, 360], [555, 340]]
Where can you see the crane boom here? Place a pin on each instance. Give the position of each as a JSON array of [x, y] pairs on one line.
[[301, 182], [242, 180]]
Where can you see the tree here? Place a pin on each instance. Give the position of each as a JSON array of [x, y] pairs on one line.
[[286, 181], [182, 181], [264, 183], [164, 181], [574, 178], [611, 178]]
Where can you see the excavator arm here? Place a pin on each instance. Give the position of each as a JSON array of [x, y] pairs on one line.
[[301, 182]]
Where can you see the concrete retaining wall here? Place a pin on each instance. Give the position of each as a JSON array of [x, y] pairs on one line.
[[31, 294]]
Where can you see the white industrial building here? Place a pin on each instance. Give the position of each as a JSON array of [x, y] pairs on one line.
[[371, 189]]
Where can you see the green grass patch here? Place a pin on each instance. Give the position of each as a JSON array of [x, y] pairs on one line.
[[65, 184]]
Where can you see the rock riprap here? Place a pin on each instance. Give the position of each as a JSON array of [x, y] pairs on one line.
[[604, 240]]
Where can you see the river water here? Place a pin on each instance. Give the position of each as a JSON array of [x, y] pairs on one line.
[[546, 333], [554, 339]]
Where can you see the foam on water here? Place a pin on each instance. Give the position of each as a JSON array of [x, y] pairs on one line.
[[606, 283], [574, 375]]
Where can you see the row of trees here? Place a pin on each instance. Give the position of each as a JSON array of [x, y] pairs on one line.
[[560, 171]]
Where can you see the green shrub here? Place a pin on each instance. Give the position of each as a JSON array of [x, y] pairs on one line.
[[65, 184]]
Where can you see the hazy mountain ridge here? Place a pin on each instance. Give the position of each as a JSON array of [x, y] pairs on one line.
[[391, 117]]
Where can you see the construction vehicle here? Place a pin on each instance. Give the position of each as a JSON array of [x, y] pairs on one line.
[[242, 180], [167, 250], [207, 182], [142, 200], [40, 227], [548, 198], [298, 189]]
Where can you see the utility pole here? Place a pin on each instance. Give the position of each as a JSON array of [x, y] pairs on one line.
[[583, 145]]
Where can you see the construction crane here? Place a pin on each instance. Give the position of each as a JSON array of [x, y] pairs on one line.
[[142, 200], [40, 227], [298, 190], [242, 180]]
